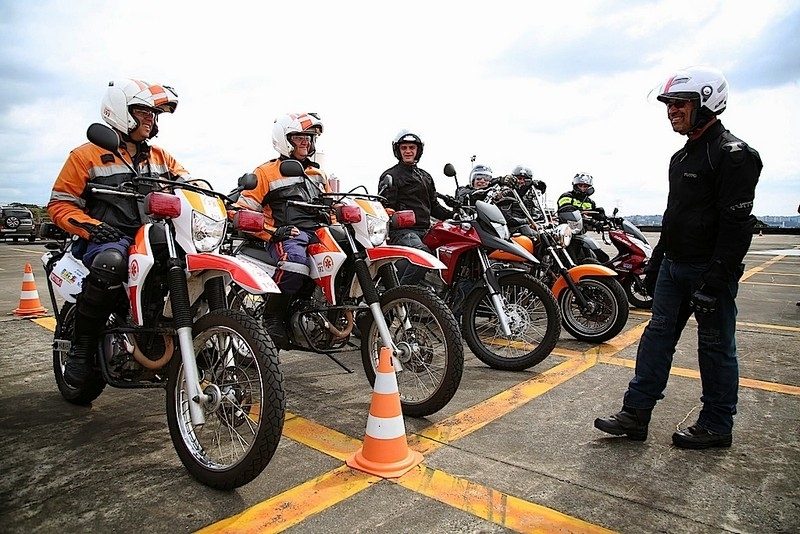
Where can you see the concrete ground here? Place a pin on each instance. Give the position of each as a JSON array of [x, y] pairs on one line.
[[512, 452]]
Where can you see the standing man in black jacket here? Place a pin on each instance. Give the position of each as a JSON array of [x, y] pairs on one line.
[[706, 231], [407, 187]]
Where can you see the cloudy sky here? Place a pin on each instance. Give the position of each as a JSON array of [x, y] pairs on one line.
[[561, 87]]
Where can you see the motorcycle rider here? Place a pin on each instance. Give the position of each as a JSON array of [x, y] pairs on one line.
[[524, 187], [695, 268], [106, 224], [578, 196], [479, 178], [288, 229], [408, 187]]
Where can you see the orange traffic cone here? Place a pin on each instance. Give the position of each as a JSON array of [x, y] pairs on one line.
[[385, 451], [29, 304]]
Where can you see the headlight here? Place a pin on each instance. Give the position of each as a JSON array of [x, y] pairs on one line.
[[207, 233], [377, 228], [563, 234]]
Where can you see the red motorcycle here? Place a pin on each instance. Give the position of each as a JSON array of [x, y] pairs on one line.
[[633, 254], [509, 319]]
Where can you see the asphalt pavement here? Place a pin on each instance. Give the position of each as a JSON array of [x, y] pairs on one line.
[[512, 452]]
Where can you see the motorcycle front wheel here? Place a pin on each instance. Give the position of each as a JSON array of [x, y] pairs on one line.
[[431, 354], [62, 339], [608, 313], [636, 292], [238, 366], [533, 317]]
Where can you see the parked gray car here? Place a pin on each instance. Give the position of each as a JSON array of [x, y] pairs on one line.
[[17, 223]]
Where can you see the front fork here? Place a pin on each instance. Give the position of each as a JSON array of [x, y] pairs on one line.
[[182, 314], [493, 285]]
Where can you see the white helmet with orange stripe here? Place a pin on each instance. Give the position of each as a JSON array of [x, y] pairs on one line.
[[292, 124], [124, 94]]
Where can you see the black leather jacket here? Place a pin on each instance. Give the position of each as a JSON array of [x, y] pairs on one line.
[[412, 189], [712, 183]]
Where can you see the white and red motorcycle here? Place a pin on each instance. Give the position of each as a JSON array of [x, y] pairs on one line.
[[341, 293], [225, 397]]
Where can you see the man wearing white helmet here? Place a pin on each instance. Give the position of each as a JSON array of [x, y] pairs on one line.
[[578, 196], [696, 265], [288, 228], [106, 224], [407, 187], [479, 178]]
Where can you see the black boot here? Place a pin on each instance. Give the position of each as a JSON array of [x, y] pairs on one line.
[[78, 368], [276, 310], [631, 422]]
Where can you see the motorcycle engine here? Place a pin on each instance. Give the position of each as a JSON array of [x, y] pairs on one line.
[[308, 323]]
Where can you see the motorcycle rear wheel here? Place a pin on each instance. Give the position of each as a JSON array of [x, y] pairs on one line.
[[607, 320], [94, 385], [534, 320], [431, 372], [239, 366], [636, 292]]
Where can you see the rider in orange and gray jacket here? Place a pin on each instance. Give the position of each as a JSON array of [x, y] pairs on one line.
[[288, 228], [106, 224]]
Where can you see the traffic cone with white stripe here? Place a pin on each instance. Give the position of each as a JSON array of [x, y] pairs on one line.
[[29, 303], [385, 451]]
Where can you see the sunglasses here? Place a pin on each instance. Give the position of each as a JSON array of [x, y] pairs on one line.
[[677, 104]]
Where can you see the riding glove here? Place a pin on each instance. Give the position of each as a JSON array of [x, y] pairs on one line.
[[702, 301], [104, 233], [282, 233]]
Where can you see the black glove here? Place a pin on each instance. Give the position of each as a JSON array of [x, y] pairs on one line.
[[703, 301], [540, 185], [104, 233], [282, 233], [508, 181]]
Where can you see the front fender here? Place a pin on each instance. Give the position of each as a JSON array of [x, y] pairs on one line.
[[397, 252], [245, 274], [578, 272]]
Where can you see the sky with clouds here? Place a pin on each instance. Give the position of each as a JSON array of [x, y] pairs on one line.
[[560, 87]]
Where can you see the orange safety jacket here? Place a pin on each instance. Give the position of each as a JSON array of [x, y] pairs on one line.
[[72, 202]]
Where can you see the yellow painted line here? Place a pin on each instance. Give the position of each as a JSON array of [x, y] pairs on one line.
[[46, 322], [480, 415], [772, 284], [319, 437], [38, 253], [492, 505], [567, 353], [771, 326], [750, 272], [692, 373], [297, 504]]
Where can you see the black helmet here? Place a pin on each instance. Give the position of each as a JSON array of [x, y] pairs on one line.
[[405, 136]]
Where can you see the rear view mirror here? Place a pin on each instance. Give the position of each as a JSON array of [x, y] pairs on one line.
[[103, 136], [247, 181]]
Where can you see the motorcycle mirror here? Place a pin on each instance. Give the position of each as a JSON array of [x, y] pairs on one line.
[[292, 167], [247, 182], [104, 137], [449, 170], [614, 213]]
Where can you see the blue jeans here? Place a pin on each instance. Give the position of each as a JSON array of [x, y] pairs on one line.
[[716, 346], [409, 273], [291, 255]]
